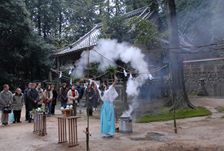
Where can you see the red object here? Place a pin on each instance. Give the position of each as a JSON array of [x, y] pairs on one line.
[[45, 101], [73, 93]]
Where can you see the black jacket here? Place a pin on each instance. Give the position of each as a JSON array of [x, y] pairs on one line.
[[63, 95], [55, 96], [32, 98]]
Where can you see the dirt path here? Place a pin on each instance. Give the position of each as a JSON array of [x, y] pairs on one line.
[[199, 134]]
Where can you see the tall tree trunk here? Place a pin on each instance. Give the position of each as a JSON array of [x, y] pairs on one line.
[[60, 24], [117, 8], [44, 31], [39, 17], [45, 26], [155, 7], [108, 7], [100, 9], [176, 63]]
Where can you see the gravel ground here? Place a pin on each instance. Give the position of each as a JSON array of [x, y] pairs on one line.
[[194, 134]]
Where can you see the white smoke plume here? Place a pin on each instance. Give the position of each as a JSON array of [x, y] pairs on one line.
[[132, 90], [112, 50], [134, 83]]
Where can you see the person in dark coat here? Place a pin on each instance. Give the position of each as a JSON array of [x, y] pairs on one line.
[[54, 99], [26, 100], [63, 95], [32, 100], [90, 96], [95, 98], [78, 88]]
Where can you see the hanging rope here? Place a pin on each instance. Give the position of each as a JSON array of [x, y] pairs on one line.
[[121, 67], [155, 70]]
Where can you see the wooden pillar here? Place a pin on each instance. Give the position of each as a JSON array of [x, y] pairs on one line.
[[58, 69]]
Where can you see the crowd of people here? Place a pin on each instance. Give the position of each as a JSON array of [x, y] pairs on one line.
[[72, 96], [34, 96]]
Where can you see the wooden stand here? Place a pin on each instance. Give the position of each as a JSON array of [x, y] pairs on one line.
[[40, 124], [62, 134], [72, 130]]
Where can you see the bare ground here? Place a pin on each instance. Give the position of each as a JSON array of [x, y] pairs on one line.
[[194, 134]]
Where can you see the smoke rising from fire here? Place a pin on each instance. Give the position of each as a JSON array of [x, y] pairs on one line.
[[112, 50], [108, 51]]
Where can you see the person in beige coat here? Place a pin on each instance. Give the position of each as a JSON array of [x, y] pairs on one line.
[[6, 99], [17, 105], [48, 95], [40, 94], [73, 95]]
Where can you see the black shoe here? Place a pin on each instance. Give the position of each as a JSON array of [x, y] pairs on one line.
[[4, 124], [14, 122]]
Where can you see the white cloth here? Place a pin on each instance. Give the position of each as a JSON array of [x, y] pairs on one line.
[[125, 73], [110, 94], [60, 74]]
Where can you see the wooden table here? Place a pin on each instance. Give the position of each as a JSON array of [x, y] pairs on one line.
[[69, 123]]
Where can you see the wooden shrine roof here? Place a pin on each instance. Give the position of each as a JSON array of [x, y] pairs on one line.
[[90, 39]]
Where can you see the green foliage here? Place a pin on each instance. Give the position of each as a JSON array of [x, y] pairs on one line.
[[61, 22], [144, 31], [135, 4], [180, 114], [37, 60], [23, 55], [111, 70], [136, 30], [115, 28], [81, 17], [93, 70]]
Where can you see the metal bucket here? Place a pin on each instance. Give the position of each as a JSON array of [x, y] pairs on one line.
[[125, 125]]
